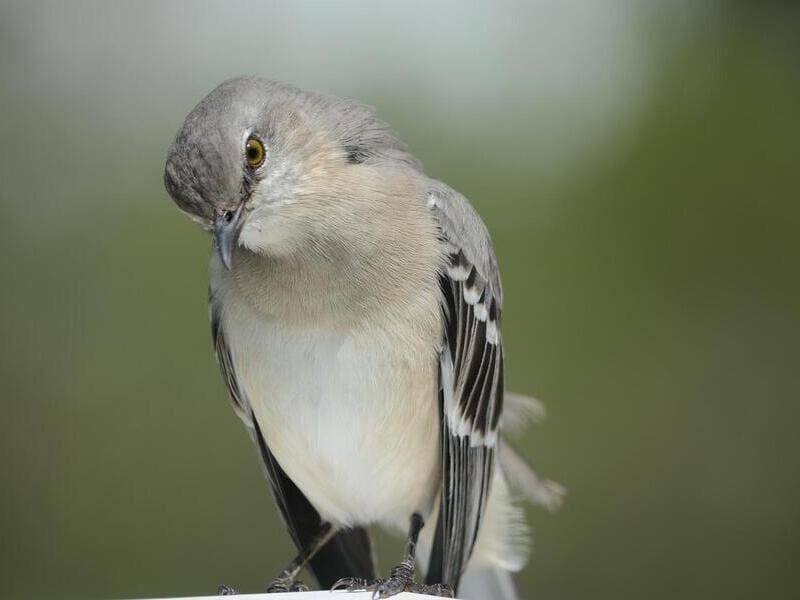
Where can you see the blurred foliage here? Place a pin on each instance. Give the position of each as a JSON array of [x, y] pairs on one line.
[[652, 302]]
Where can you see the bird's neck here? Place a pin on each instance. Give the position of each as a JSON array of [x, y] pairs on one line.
[[337, 285]]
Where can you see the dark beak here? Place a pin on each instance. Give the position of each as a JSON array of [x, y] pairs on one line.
[[227, 225]]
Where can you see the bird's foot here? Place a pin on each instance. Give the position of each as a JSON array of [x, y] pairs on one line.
[[400, 580], [279, 585], [433, 589], [282, 585]]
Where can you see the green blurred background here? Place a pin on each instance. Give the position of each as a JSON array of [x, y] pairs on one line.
[[637, 165]]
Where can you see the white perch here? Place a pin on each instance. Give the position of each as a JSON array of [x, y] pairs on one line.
[[320, 595]]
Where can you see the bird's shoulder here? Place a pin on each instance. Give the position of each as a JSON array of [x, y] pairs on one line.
[[466, 239]]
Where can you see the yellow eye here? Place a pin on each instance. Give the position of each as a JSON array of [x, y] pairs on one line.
[[254, 152]]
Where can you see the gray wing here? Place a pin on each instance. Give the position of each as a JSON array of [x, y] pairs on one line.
[[470, 379], [348, 553]]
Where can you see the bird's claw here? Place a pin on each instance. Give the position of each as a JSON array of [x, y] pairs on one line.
[[282, 586], [434, 589], [400, 580], [351, 584], [278, 586]]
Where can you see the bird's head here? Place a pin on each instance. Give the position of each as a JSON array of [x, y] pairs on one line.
[[271, 168]]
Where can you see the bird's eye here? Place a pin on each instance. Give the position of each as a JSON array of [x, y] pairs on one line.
[[254, 152]]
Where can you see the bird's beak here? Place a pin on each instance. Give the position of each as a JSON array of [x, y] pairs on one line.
[[227, 225]]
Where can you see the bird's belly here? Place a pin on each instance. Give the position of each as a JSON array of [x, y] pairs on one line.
[[352, 421]]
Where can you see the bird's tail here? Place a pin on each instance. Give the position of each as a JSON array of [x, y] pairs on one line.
[[522, 479], [487, 580], [502, 545], [483, 582]]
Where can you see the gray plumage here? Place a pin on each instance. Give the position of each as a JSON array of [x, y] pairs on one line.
[[355, 307]]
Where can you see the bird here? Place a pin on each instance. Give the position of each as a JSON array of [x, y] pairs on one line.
[[355, 307]]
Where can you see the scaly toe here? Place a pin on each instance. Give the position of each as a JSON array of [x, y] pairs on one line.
[[401, 579], [225, 590], [299, 586], [436, 589], [390, 587], [279, 587], [351, 584], [282, 586]]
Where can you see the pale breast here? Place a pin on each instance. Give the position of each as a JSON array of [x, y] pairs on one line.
[[351, 415]]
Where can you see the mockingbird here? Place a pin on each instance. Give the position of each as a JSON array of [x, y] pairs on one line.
[[355, 309]]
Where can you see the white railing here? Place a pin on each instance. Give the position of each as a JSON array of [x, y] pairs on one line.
[[322, 595]]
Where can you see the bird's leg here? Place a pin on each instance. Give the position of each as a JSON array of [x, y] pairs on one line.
[[286, 579], [401, 577]]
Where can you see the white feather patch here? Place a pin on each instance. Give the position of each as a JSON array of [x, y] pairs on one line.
[[480, 311], [471, 295], [448, 386], [464, 428], [490, 439], [476, 439], [458, 273], [491, 332]]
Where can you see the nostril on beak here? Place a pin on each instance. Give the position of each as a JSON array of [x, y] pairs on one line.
[[228, 216]]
